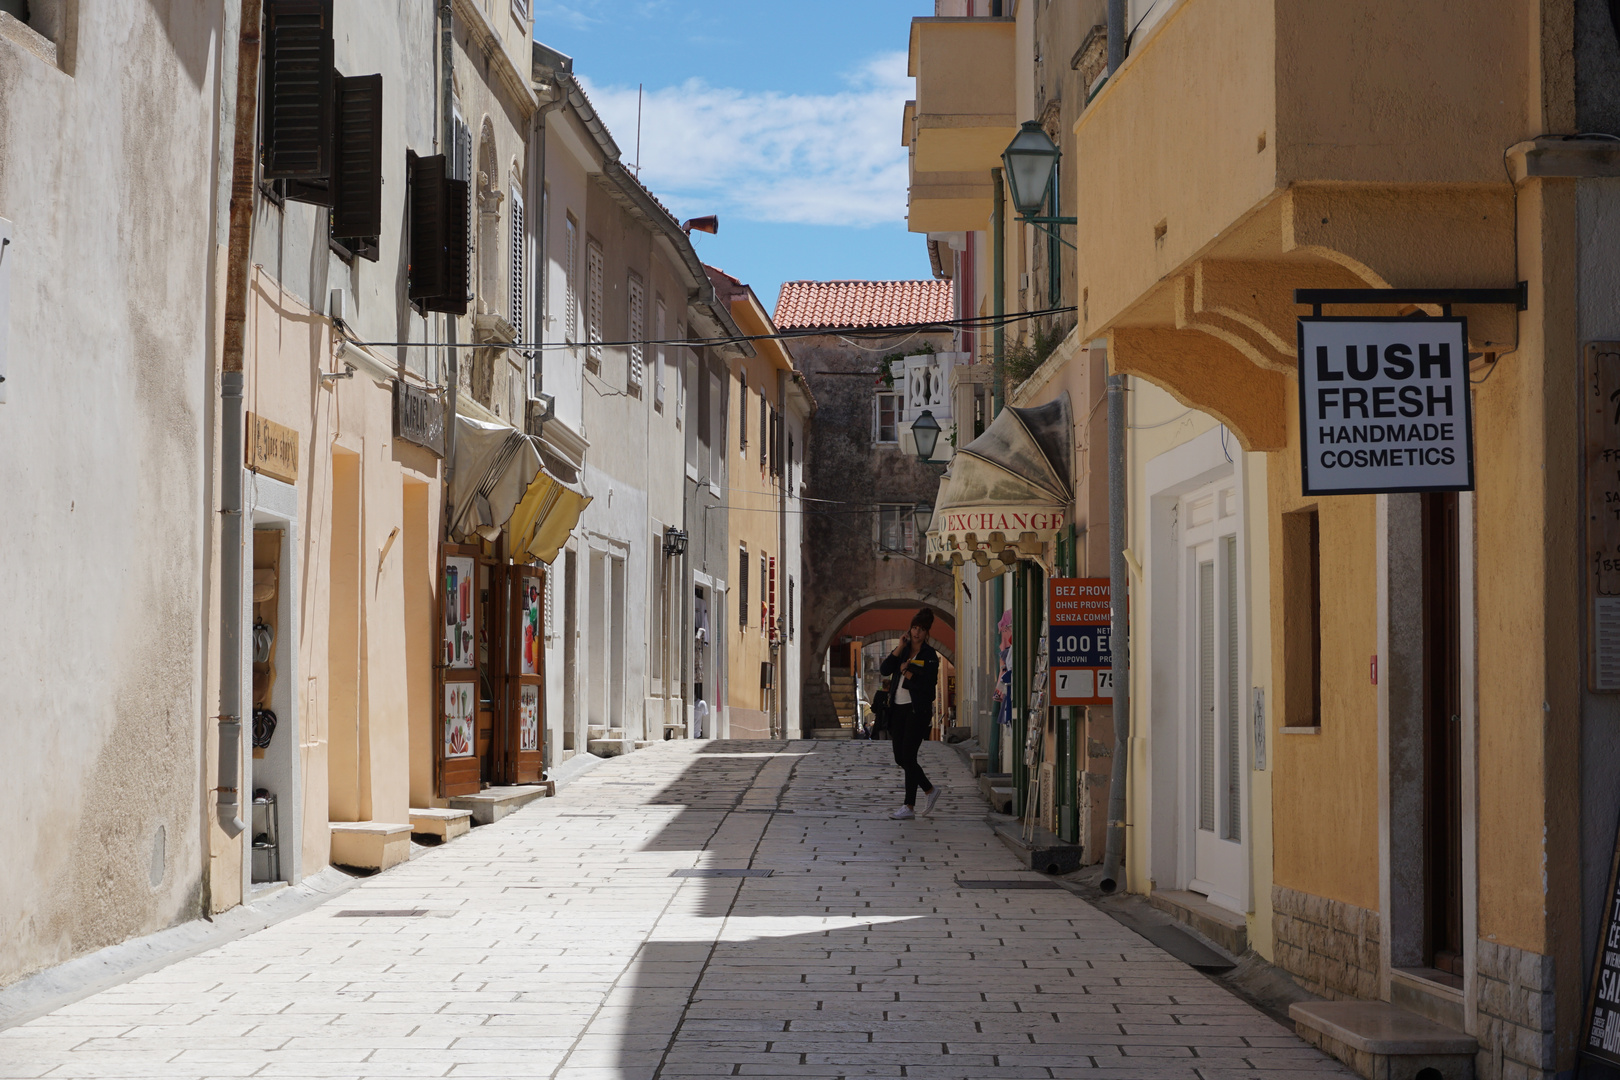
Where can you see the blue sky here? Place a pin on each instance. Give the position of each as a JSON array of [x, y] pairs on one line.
[[781, 117]]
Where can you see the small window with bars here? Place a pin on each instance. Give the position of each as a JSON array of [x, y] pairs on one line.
[[638, 333], [896, 530], [887, 416]]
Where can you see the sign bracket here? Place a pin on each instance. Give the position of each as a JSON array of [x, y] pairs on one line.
[[1518, 296]]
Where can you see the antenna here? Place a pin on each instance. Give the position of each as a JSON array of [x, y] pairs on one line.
[[638, 130]]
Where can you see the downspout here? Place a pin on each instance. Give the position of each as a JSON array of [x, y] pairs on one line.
[[782, 479], [451, 325], [998, 389], [1119, 625], [243, 176]]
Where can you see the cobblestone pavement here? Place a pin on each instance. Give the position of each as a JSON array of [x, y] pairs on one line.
[[559, 943]]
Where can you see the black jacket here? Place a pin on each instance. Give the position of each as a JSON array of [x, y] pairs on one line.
[[924, 670]]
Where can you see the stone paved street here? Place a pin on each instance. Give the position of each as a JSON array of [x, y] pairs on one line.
[[559, 943]]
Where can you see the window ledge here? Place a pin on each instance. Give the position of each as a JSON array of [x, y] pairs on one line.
[[24, 36], [1313, 729]]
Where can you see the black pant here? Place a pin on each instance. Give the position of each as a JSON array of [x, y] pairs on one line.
[[908, 726]]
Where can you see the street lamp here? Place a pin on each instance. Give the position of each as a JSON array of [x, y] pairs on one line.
[[1029, 163], [923, 515], [925, 431]]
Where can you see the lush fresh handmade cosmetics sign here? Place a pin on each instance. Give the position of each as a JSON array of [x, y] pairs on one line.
[[1384, 406]]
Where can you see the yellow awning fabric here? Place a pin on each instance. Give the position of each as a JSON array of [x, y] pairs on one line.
[[500, 484], [548, 512]]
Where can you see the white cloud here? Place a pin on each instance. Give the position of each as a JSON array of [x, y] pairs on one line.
[[820, 159]]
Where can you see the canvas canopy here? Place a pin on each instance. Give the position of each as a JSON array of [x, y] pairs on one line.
[[1008, 492], [500, 484]]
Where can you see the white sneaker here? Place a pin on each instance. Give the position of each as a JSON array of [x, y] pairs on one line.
[[903, 813], [933, 797]]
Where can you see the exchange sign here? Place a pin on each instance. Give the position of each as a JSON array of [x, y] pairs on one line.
[[1080, 658], [1384, 405]]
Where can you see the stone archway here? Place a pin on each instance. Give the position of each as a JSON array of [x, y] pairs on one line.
[[818, 705]]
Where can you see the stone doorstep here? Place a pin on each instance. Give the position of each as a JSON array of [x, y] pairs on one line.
[[444, 823], [492, 804], [610, 747], [1416, 991], [1043, 852], [1383, 1042], [1001, 799], [1225, 928], [370, 845], [979, 762], [831, 733]]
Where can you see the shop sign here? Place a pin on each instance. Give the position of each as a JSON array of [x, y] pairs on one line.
[[1384, 405], [1081, 661], [272, 449], [1601, 407], [419, 416], [1013, 521], [1601, 1039]]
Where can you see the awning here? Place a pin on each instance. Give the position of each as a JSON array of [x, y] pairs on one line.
[[1007, 493], [500, 484]]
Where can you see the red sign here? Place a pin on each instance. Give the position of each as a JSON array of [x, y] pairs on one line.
[[1079, 616]]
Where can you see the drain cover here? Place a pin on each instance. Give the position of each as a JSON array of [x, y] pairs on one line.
[[382, 913], [1016, 883], [720, 873]]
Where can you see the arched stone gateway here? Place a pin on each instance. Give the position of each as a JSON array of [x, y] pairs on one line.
[[828, 688]]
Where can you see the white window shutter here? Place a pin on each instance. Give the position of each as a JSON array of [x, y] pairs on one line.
[[660, 357], [638, 320], [571, 282], [519, 262], [593, 308]]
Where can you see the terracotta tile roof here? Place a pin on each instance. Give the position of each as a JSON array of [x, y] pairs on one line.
[[857, 304]]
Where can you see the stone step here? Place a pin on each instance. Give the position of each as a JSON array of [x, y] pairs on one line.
[[443, 823], [370, 845], [979, 761], [1225, 928], [642, 744], [594, 732], [493, 803], [610, 747], [1001, 799], [1376, 1039], [1042, 851], [831, 733]]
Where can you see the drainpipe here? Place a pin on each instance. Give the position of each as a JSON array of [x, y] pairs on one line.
[[782, 479], [448, 112], [1118, 582], [244, 174], [999, 295]]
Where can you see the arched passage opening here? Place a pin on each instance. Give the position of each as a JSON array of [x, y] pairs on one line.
[[841, 672]]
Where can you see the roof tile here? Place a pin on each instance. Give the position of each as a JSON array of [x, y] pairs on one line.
[[858, 304]]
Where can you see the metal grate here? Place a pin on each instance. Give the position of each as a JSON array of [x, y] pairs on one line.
[[1016, 883], [381, 913], [1606, 641], [720, 873]]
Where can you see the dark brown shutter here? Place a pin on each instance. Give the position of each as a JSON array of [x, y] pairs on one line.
[[297, 129], [457, 242], [357, 170], [438, 272], [427, 227]]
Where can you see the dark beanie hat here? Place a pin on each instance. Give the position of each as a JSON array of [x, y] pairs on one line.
[[924, 618]]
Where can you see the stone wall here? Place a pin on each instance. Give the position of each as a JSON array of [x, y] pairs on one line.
[[1516, 1005], [1331, 948]]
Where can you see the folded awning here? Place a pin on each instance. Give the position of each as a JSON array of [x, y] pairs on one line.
[[1007, 493], [500, 484]]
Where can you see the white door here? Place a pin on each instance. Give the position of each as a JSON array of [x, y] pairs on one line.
[[1213, 697]]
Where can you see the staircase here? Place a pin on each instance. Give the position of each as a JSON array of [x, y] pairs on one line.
[[844, 707]]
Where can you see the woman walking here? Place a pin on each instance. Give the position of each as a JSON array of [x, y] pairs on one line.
[[912, 670]]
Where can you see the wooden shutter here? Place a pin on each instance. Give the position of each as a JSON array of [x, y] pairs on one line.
[[638, 320], [297, 124], [742, 587], [519, 262], [428, 228], [593, 306], [357, 168], [438, 247]]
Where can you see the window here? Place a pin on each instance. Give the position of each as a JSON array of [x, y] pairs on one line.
[[438, 234], [888, 415], [722, 408], [638, 331], [1302, 619], [790, 599], [660, 354], [520, 262], [742, 585], [897, 530], [682, 357], [770, 607], [742, 415], [571, 280], [593, 304], [660, 601], [764, 594], [764, 431], [775, 443]]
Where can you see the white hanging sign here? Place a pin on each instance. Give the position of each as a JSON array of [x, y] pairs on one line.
[[1384, 405]]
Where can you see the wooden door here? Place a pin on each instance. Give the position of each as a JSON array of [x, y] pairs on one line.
[[522, 743], [1442, 735], [455, 753]]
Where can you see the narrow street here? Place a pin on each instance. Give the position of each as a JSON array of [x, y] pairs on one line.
[[573, 940]]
